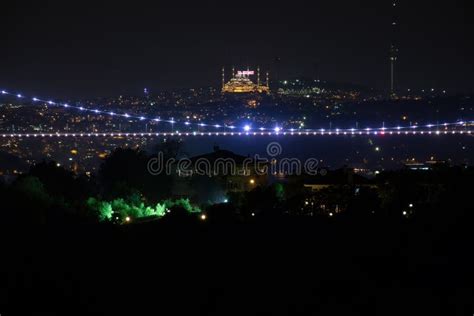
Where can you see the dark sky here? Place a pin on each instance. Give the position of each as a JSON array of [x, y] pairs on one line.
[[82, 49]]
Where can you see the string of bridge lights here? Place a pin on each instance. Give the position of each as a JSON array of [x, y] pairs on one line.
[[181, 134], [247, 129]]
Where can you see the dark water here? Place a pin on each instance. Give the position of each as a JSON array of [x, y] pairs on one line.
[[364, 152], [337, 151]]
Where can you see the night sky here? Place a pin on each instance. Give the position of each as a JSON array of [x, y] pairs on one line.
[[83, 49]]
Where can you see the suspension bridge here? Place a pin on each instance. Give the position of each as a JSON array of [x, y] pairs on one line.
[[247, 130]]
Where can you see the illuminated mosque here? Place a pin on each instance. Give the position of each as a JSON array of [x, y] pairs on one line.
[[241, 83]]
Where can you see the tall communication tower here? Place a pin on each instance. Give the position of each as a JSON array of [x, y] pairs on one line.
[[393, 47]]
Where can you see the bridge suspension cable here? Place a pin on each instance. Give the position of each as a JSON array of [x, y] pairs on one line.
[[246, 129]]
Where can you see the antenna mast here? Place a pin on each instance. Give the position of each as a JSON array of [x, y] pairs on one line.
[[393, 48]]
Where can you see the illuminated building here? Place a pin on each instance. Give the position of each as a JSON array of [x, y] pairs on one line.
[[241, 83]]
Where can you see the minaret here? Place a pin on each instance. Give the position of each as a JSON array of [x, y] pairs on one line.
[[258, 76], [223, 78], [268, 80], [233, 72]]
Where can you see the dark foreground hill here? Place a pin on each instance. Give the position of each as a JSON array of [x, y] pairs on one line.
[[300, 266]]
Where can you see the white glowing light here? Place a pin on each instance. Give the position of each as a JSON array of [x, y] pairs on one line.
[[276, 130]]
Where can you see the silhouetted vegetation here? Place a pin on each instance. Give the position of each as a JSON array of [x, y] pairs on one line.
[[402, 237]]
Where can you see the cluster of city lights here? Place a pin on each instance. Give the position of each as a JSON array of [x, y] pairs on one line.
[[247, 129], [117, 114]]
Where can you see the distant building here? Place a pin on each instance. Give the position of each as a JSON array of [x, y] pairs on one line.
[[417, 166], [428, 165], [330, 194], [241, 83], [221, 171], [343, 177]]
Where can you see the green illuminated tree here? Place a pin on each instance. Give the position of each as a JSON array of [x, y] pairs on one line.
[[135, 208]]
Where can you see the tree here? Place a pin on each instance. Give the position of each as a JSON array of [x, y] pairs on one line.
[[25, 202], [125, 173], [61, 183]]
